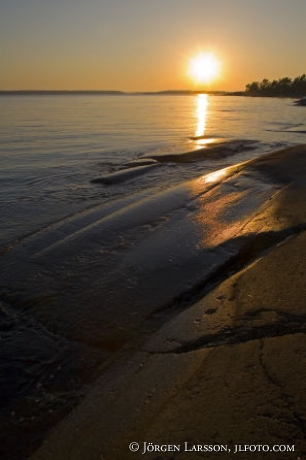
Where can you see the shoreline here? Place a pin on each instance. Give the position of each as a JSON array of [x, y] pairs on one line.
[[4, 93], [227, 366]]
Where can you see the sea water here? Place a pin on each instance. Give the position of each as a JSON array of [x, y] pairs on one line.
[[51, 147]]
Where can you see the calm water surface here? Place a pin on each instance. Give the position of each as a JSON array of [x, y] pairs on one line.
[[51, 147]]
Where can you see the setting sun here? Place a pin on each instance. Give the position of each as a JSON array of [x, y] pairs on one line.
[[204, 68]]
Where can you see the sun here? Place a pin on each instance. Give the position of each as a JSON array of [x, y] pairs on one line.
[[204, 68]]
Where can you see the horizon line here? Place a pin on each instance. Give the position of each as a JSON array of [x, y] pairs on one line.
[[113, 92]]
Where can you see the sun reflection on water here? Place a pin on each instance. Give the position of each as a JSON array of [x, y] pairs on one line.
[[201, 114], [202, 106]]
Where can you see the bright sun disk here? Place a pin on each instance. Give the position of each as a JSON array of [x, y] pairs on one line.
[[204, 68]]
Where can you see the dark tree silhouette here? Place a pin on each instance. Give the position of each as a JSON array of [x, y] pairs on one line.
[[282, 87]]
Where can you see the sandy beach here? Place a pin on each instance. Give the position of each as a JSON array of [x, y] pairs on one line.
[[212, 352]]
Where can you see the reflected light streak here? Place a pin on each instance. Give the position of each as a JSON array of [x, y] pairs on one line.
[[211, 209], [202, 114], [199, 185], [215, 176]]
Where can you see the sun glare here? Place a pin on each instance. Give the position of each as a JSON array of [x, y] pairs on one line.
[[204, 68]]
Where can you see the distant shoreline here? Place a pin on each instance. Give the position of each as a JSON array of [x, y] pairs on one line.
[[135, 93], [104, 93]]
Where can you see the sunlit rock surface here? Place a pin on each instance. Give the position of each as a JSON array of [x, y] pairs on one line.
[[193, 298]]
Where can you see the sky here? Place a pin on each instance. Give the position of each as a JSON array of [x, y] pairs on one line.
[[147, 45]]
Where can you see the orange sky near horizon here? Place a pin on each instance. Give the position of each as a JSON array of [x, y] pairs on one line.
[[134, 45]]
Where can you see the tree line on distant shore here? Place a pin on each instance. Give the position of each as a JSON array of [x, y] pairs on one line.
[[283, 87]]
